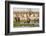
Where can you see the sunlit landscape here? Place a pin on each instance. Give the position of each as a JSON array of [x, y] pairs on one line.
[[26, 17]]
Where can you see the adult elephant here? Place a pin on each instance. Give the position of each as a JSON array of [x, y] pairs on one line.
[[17, 19]]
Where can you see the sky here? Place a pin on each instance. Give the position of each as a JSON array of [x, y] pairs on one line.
[[26, 9]]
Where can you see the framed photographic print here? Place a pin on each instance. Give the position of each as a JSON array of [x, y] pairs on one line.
[[24, 17]]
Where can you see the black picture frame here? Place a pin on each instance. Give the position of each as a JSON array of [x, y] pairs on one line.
[[7, 16]]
